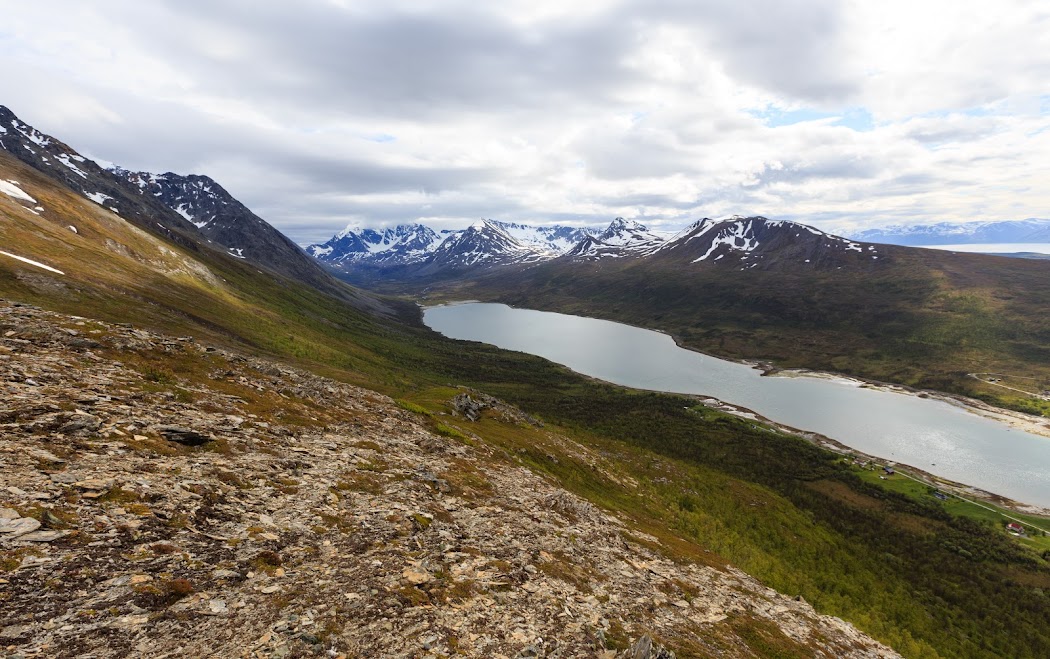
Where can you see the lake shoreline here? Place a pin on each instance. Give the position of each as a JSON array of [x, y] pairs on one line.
[[1012, 419], [837, 446], [1020, 420]]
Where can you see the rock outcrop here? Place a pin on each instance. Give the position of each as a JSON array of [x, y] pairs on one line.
[[165, 498]]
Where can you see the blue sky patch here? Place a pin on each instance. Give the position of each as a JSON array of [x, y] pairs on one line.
[[858, 119]]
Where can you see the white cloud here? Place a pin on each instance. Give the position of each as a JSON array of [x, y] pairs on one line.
[[317, 113]]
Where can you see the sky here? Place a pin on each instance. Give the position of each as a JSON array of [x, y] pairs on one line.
[[842, 114]]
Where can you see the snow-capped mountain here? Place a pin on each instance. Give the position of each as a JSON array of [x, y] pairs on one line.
[[554, 240], [217, 215], [757, 242], [409, 244], [413, 251], [403, 244], [1031, 230], [484, 243], [192, 211], [86, 177], [620, 239]]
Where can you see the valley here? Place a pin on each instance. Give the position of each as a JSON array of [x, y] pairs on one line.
[[277, 460], [933, 433], [919, 318]]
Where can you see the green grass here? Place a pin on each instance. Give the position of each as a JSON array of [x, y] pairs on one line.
[[997, 517]]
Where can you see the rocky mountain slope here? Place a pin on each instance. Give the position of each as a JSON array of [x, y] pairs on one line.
[[484, 242], [227, 222], [757, 242], [622, 238], [168, 498], [193, 211], [401, 245]]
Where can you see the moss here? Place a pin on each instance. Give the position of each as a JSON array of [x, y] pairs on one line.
[[412, 407], [421, 522], [177, 588], [266, 561], [411, 596], [449, 431], [368, 444], [360, 482], [120, 495], [11, 559]]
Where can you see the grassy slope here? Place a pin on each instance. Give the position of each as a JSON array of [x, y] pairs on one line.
[[923, 318], [902, 569]]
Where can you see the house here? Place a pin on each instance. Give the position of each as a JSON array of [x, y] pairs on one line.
[[940, 495], [1015, 528], [889, 470]]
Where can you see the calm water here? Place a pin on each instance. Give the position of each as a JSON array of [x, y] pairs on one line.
[[938, 437], [995, 248]]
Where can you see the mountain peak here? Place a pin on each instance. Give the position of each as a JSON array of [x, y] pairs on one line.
[[398, 245], [351, 228], [758, 242]]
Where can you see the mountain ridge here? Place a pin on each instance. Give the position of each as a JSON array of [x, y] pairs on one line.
[[487, 246], [193, 211]]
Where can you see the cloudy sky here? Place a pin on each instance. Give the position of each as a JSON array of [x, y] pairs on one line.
[[318, 113]]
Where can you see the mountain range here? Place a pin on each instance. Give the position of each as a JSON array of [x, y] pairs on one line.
[[193, 211], [416, 252], [1031, 230]]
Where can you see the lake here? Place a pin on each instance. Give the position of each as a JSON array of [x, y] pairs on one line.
[[994, 248], [936, 436]]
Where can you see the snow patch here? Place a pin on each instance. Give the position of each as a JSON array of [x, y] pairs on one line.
[[97, 197], [11, 189], [64, 159], [739, 237], [33, 135], [181, 210], [31, 262]]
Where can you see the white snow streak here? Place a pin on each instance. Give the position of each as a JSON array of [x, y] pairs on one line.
[[11, 189], [64, 159], [31, 262]]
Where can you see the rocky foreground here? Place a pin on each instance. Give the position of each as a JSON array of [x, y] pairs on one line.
[[162, 498]]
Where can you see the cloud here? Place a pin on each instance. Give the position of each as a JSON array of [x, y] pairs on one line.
[[325, 111]]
